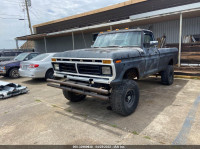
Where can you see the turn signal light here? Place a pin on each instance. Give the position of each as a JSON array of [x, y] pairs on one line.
[[118, 61], [117, 29], [53, 59], [106, 61]]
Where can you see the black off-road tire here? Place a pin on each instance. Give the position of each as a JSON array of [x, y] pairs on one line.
[[73, 97], [49, 74], [125, 97], [167, 76], [14, 73]]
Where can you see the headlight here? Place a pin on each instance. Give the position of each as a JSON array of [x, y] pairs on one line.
[[56, 67], [106, 70]]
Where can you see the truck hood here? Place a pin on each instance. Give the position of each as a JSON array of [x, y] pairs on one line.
[[111, 53], [8, 62]]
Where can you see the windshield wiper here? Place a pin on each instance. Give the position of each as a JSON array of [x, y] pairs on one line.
[[113, 46], [128, 46]]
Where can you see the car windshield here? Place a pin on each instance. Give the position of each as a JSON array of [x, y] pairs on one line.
[[40, 57], [125, 39], [21, 57]]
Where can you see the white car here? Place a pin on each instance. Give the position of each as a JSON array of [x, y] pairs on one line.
[[38, 67]]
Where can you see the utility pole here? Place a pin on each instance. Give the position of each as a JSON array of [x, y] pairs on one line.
[[29, 21]]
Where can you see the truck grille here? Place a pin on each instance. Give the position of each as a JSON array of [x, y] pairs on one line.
[[68, 67], [89, 69]]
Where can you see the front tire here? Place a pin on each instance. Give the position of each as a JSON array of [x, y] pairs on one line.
[[167, 76], [14, 73], [73, 97], [49, 74], [125, 97]]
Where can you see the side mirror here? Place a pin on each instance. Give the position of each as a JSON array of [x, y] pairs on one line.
[[153, 43]]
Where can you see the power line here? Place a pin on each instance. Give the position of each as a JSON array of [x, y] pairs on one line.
[[11, 18], [11, 2], [34, 14], [9, 15]]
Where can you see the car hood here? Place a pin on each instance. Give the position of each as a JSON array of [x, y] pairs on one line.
[[111, 53], [8, 62]]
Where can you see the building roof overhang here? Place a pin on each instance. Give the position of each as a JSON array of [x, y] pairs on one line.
[[190, 10]]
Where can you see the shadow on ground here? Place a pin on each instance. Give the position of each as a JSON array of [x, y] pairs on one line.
[[154, 98], [35, 81]]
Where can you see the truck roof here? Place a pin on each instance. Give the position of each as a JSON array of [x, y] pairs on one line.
[[125, 30]]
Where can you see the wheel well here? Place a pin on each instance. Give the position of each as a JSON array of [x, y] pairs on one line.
[[11, 69], [171, 62], [49, 69], [131, 74]]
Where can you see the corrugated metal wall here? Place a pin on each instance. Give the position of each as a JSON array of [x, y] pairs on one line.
[[191, 26], [60, 44]]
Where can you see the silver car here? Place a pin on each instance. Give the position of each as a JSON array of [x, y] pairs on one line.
[[38, 67]]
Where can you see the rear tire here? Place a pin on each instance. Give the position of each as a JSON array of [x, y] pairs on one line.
[[14, 73], [167, 76], [73, 97], [125, 97]]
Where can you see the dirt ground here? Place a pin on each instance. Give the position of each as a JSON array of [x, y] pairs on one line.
[[165, 115]]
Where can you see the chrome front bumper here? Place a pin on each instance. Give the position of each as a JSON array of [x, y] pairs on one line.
[[83, 78]]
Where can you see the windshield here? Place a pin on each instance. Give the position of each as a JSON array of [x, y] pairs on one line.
[[21, 57], [40, 57], [125, 39]]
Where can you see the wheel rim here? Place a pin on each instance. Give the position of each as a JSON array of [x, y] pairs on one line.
[[15, 74], [130, 98]]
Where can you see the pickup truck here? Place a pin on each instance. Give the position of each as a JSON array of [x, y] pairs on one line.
[[110, 68], [7, 55], [11, 68]]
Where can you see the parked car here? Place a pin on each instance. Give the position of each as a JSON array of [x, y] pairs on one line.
[[38, 67], [11, 68], [8, 55], [110, 67]]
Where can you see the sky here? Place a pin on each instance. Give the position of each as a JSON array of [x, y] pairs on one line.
[[40, 11]]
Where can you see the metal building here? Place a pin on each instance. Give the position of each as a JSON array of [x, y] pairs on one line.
[[172, 18]]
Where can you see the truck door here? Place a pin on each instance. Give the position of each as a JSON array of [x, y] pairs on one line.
[[152, 54]]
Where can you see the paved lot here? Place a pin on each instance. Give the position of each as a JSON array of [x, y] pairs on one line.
[[165, 115]]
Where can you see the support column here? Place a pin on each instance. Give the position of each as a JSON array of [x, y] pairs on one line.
[[111, 28], [84, 39], [17, 45], [73, 40], [180, 40], [45, 44]]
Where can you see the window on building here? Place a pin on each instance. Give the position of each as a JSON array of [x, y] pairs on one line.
[[94, 37]]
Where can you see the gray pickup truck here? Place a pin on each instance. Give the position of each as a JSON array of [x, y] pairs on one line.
[[109, 69]]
